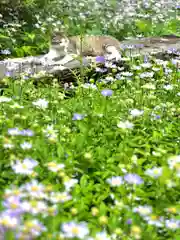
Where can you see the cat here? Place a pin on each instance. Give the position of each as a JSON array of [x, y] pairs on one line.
[[64, 49]]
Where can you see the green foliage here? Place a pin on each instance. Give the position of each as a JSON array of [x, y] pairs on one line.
[[82, 138], [26, 26], [96, 148], [144, 26]]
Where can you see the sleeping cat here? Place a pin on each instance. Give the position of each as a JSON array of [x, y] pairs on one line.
[[64, 49]]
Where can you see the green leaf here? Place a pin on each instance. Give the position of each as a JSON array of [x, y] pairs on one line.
[[9, 235], [143, 26], [19, 52], [3, 36], [177, 217], [60, 151], [166, 175], [27, 49], [102, 209], [102, 197], [84, 181], [177, 238]]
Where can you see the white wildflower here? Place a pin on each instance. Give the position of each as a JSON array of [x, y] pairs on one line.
[[73, 229], [24, 167], [154, 172], [136, 112], [41, 103], [125, 125], [115, 181]]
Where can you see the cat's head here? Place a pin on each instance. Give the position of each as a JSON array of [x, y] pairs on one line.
[[59, 40]]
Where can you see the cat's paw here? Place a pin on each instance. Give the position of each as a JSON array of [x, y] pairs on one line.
[[113, 57]]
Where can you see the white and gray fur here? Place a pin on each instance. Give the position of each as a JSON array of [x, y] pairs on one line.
[[64, 49]]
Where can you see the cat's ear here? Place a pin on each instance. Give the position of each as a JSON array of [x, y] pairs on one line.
[[59, 34], [56, 40], [54, 34], [57, 37]]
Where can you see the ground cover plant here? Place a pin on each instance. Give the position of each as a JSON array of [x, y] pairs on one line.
[[104, 162]]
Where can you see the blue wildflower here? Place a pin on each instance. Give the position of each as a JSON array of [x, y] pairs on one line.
[[100, 59], [145, 59], [107, 92], [129, 221], [77, 116], [8, 74], [133, 178], [27, 132]]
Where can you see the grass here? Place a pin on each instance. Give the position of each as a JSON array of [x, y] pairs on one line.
[[101, 164]]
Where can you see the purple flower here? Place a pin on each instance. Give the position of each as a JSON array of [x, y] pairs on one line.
[[8, 221], [13, 131], [2, 232], [171, 50], [155, 116], [133, 178], [139, 45], [17, 132], [13, 206], [175, 61], [129, 221], [172, 224], [77, 116], [107, 92], [73, 229], [27, 132], [35, 229], [100, 59], [8, 74], [25, 77], [146, 59], [14, 213]]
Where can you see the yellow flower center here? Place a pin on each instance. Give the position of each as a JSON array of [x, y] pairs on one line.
[[61, 197], [34, 188], [153, 217], [16, 192], [177, 166], [5, 222], [52, 164], [136, 230], [75, 230], [156, 171], [29, 225], [33, 203], [24, 166], [172, 210], [173, 225], [13, 205]]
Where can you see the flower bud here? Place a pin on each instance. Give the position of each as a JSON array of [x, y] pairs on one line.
[[74, 211], [103, 220], [94, 211]]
